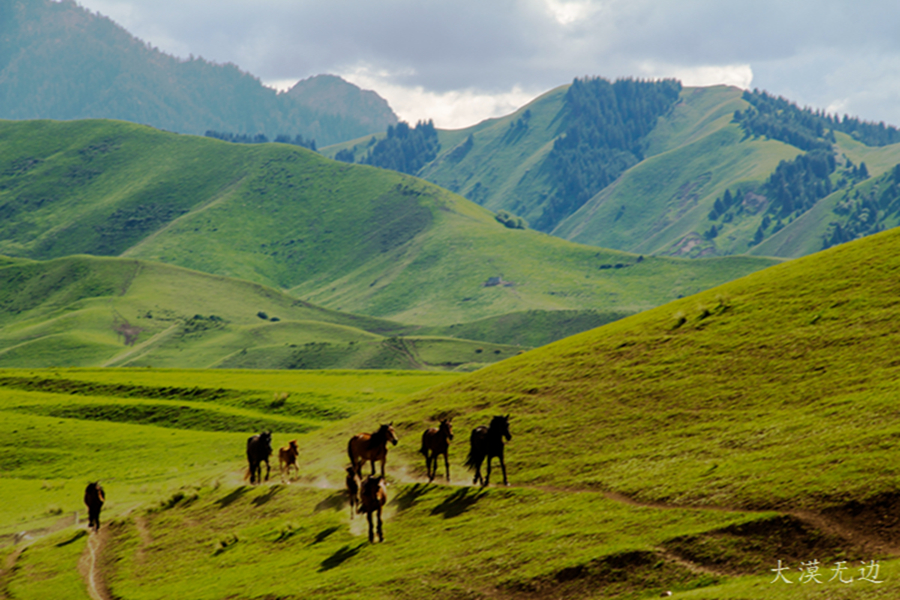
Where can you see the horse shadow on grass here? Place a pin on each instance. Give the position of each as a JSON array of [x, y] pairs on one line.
[[78, 535], [344, 554], [232, 497], [270, 493], [458, 502], [335, 501], [324, 534], [410, 496]]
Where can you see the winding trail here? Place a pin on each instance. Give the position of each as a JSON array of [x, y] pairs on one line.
[[90, 572]]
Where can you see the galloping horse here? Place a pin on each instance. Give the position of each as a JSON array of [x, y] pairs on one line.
[[259, 449], [94, 499], [287, 459], [371, 447], [436, 441], [488, 442], [372, 497], [352, 484]]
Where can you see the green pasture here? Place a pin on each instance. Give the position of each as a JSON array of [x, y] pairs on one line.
[[688, 448]]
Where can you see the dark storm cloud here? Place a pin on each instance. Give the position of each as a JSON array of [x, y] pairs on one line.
[[838, 54]]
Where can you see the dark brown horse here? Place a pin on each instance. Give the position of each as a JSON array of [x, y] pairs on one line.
[[436, 441], [94, 499], [259, 449], [372, 498], [488, 442], [371, 447], [352, 485]]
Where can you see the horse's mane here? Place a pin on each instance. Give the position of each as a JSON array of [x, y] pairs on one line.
[[380, 437]]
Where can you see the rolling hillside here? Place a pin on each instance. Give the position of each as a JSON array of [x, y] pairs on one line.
[[113, 312], [670, 184], [694, 448], [347, 237], [58, 60]]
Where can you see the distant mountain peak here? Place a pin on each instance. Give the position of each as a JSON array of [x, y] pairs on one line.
[[331, 94]]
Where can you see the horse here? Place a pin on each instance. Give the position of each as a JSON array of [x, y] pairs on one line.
[[372, 498], [371, 447], [488, 442], [287, 458], [352, 485], [94, 499], [259, 449], [436, 441]]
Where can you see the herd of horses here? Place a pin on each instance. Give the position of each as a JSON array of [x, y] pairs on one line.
[[369, 495]]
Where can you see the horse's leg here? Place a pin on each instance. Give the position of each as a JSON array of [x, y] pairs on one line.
[[503, 466], [487, 477], [267, 469], [446, 465], [371, 532], [380, 532], [429, 463]]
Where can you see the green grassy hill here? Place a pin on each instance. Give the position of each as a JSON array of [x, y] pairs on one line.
[[688, 448], [347, 237], [89, 311], [663, 204]]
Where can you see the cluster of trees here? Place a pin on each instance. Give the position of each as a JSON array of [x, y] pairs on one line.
[[796, 185], [260, 138], [865, 213], [405, 149], [510, 220], [722, 205], [606, 124], [781, 119]]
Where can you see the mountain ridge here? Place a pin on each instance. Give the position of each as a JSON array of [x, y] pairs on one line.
[[60, 61]]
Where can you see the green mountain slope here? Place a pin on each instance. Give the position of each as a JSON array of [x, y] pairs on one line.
[[347, 237], [88, 311], [660, 206], [60, 61], [720, 173], [694, 448]]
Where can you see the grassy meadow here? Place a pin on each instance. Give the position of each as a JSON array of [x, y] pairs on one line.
[[78, 311], [346, 237], [688, 448]]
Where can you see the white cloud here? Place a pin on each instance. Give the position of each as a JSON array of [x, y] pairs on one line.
[[701, 76], [566, 12], [453, 109]]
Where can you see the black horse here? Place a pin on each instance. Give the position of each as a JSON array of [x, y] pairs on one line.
[[94, 499], [488, 442], [259, 449], [436, 441]]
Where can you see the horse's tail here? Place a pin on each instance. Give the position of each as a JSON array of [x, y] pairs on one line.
[[424, 450], [476, 455], [350, 454]]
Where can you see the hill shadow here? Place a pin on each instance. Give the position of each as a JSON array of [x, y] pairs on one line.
[[458, 502], [338, 558]]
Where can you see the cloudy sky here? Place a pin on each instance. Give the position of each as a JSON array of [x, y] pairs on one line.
[[461, 61]]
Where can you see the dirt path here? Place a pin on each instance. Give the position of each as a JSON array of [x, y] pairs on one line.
[[89, 568]]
